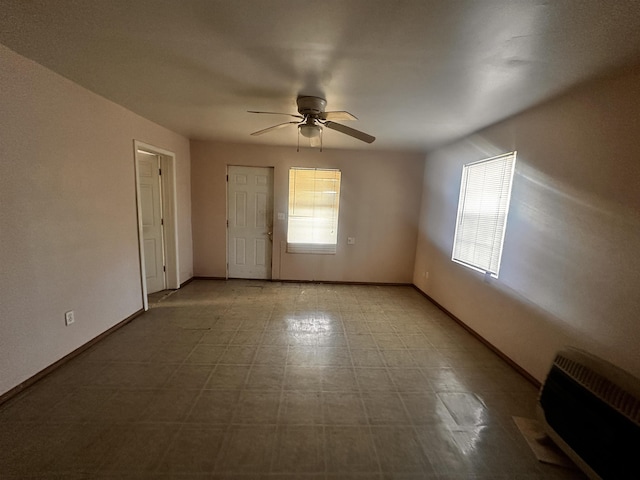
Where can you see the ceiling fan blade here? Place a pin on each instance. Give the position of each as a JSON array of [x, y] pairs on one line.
[[338, 115], [275, 113], [352, 132], [275, 127]]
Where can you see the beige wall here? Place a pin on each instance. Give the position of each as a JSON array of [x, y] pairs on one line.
[[379, 205], [68, 228], [571, 268]]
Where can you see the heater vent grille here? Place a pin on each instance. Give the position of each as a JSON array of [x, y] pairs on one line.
[[603, 388], [591, 410]]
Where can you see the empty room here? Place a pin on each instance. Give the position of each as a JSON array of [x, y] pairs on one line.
[[356, 239]]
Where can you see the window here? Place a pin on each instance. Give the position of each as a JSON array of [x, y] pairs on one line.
[[485, 192], [314, 197]]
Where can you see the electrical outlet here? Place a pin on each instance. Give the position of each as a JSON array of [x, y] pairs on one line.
[[69, 318], [426, 275]]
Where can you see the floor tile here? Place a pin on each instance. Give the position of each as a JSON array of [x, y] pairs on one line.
[[238, 355], [174, 353], [247, 337], [445, 379], [361, 341], [228, 377], [380, 326], [355, 324], [82, 449], [387, 341], [81, 405], [338, 378], [303, 355], [169, 406], [350, 449], [299, 449], [134, 375], [266, 377], [214, 407], [428, 358], [342, 408], [414, 341], [189, 376], [399, 451], [29, 449], [126, 405], [336, 338], [333, 356], [247, 449], [301, 408], [398, 358], [271, 355], [447, 456], [465, 408], [367, 357], [409, 380], [385, 408], [218, 337], [425, 409], [194, 449], [254, 380], [209, 354], [139, 448], [257, 407], [303, 378], [374, 379]]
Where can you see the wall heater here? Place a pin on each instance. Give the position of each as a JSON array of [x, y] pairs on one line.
[[591, 410]]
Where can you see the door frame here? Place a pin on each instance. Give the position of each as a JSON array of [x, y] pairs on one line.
[[169, 209], [273, 201]]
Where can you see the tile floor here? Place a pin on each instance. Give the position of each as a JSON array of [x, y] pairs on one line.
[[248, 380]]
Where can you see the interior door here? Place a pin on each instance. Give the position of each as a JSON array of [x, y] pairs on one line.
[[250, 221], [152, 229]]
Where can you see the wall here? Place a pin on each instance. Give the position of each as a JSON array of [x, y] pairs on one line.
[[379, 205], [68, 228], [570, 269]]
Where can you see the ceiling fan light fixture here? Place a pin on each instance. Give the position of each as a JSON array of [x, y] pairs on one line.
[[311, 112], [310, 131]]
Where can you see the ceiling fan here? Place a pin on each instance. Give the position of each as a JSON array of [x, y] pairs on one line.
[[313, 118]]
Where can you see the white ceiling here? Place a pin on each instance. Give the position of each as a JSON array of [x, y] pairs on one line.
[[417, 73]]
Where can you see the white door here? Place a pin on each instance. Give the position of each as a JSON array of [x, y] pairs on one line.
[[151, 206], [250, 220]]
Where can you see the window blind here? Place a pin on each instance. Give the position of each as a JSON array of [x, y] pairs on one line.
[[314, 200], [485, 193]]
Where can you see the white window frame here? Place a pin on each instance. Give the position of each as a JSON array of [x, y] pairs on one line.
[[318, 246], [483, 208]]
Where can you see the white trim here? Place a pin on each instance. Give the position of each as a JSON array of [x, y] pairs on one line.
[[303, 233], [169, 206], [316, 248], [475, 223]]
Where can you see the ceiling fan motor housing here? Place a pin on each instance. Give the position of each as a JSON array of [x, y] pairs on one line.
[[313, 118], [311, 105]]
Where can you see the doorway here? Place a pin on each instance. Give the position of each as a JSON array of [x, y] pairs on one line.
[[249, 222], [157, 226]]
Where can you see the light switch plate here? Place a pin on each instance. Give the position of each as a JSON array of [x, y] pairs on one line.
[[351, 240]]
